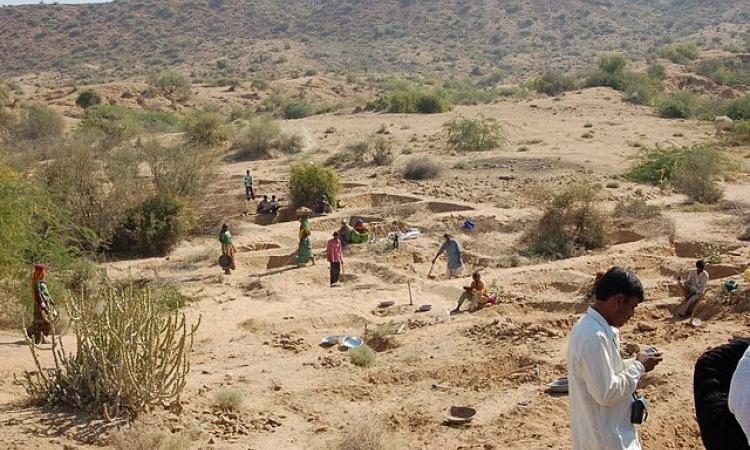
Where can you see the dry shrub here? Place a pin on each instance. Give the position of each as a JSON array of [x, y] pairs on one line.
[[205, 128], [228, 399], [636, 208], [145, 438], [367, 435], [695, 173], [128, 356], [94, 189], [178, 170], [382, 151], [258, 139], [421, 169], [570, 223]]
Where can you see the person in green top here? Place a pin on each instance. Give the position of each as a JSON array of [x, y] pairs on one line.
[[227, 248], [44, 307], [305, 249], [249, 194]]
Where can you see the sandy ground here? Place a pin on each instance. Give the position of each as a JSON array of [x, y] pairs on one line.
[[261, 325]]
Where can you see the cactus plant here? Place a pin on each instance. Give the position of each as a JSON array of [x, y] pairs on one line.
[[129, 356]]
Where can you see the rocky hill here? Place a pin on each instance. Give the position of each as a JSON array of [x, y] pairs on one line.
[[455, 37]]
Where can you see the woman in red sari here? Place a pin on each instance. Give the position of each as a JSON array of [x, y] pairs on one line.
[[44, 306]]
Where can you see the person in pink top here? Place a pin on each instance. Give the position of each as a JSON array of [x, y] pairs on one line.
[[335, 257]]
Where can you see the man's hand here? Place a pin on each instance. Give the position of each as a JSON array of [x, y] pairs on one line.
[[649, 360]]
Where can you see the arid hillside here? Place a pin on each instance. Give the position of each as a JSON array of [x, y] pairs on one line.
[[240, 38]]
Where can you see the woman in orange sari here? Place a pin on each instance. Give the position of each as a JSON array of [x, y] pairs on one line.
[[44, 306]]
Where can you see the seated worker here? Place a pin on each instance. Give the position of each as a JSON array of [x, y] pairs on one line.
[[264, 206], [323, 207], [476, 294], [274, 205], [693, 288], [345, 233], [360, 234]]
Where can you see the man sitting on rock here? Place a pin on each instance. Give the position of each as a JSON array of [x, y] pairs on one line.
[[264, 206], [693, 288], [476, 294]]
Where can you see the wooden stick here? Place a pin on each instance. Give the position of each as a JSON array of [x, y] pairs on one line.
[[411, 302]]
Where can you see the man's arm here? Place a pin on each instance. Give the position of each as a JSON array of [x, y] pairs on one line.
[[607, 387], [440, 251]]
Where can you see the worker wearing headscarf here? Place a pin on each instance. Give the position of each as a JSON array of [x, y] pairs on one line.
[[44, 306]]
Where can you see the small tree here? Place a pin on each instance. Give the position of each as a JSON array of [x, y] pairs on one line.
[[152, 228], [308, 183], [39, 122], [87, 99], [570, 222], [258, 139], [205, 127], [475, 134], [170, 84], [695, 172]]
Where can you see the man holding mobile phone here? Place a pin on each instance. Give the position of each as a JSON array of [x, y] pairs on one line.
[[601, 384]]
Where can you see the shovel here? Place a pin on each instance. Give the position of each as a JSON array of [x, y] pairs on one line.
[[429, 274]]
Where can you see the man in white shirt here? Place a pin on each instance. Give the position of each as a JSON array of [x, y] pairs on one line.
[[693, 288], [249, 193], [600, 383], [739, 394]]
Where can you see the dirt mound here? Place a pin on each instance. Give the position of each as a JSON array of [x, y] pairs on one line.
[[503, 331], [258, 246], [443, 207], [376, 200]]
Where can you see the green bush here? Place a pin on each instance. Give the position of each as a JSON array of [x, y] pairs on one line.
[[410, 99], [678, 105], [290, 144], [638, 88], [421, 169], [479, 134], [680, 53], [695, 172], [87, 99], [308, 183], [117, 123], [726, 71], [39, 122], [228, 399], [34, 228], [690, 170], [554, 83], [741, 132], [739, 109], [656, 71], [170, 84], [152, 228], [258, 139], [297, 110], [362, 356], [205, 127], [570, 223]]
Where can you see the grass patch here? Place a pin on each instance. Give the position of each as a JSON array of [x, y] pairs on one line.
[[142, 437], [636, 208], [680, 53], [228, 399], [362, 356]]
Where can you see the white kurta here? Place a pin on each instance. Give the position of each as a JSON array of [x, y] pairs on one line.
[[739, 394], [601, 387]]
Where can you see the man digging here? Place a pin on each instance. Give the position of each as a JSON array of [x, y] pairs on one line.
[[453, 251]]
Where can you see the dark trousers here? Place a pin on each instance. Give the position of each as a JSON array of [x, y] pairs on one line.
[[335, 272], [249, 193]]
